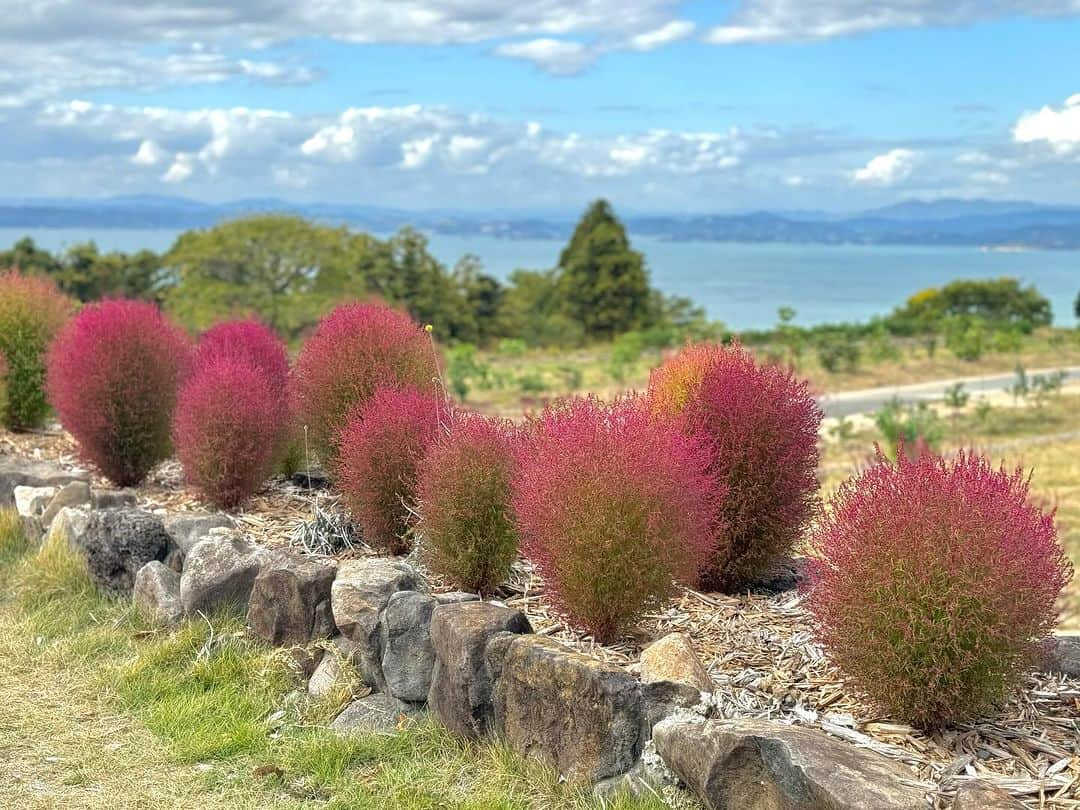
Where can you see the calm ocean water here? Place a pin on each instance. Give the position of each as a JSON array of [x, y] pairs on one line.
[[741, 285]]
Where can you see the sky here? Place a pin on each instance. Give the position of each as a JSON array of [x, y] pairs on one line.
[[540, 106]]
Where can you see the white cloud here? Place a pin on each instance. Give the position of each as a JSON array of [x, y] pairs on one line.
[[148, 154], [664, 35], [990, 178], [887, 169], [1057, 128], [557, 56], [181, 169]]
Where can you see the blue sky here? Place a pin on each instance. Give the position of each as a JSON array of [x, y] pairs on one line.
[[484, 104]]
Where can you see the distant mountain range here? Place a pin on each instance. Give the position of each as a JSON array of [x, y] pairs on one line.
[[988, 223]]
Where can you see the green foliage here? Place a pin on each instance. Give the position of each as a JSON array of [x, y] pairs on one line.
[[1001, 303], [85, 273], [966, 336], [912, 427], [843, 429], [880, 345], [464, 367], [532, 383], [512, 347], [838, 351], [625, 353], [571, 376], [13, 540], [956, 396]]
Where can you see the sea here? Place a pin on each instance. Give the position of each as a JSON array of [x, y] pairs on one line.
[[741, 285]]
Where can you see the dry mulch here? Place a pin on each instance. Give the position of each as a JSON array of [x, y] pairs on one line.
[[760, 651]]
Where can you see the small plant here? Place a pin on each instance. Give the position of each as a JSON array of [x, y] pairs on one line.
[[114, 373], [843, 429], [956, 396], [914, 428], [532, 383], [355, 350], [966, 336], [934, 582], [463, 368], [230, 428], [983, 409], [1045, 386], [613, 505], [512, 347], [1021, 387], [466, 521], [32, 311], [838, 352], [625, 353], [382, 447], [761, 426], [571, 376]]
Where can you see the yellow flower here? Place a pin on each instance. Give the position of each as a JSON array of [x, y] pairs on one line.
[[428, 327]]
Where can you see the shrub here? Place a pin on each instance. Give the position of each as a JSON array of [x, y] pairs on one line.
[[382, 447], [761, 426], [13, 540], [250, 341], [229, 430], [466, 520], [356, 349], [32, 311], [935, 581], [613, 505], [113, 376], [3, 384], [912, 428]]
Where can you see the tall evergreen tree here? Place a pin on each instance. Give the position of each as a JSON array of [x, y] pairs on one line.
[[603, 283]]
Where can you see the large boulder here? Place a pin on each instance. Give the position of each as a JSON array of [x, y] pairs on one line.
[[290, 598], [358, 596], [18, 471], [672, 658], [763, 765], [75, 494], [461, 682], [220, 571], [376, 712], [157, 593], [408, 656], [118, 542], [571, 711]]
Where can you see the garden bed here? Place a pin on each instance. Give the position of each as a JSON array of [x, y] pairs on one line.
[[759, 652]]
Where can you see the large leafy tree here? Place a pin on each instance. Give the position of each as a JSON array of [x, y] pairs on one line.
[[603, 282]]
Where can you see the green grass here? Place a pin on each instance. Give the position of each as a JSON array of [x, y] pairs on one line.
[[103, 710]]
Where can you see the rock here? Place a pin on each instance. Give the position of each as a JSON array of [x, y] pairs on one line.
[[71, 522], [572, 711], [333, 669], [376, 712], [116, 499], [157, 593], [188, 529], [672, 658], [408, 657], [118, 542], [220, 572], [763, 765], [1062, 655], [784, 575], [17, 471], [77, 493], [646, 779], [980, 794], [455, 598], [461, 683], [310, 479], [290, 599], [358, 596], [31, 501], [661, 699]]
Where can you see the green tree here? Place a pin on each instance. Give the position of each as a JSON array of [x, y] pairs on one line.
[[603, 283], [28, 258], [1001, 303]]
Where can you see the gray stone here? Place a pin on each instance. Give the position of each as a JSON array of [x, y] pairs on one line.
[[661, 699], [118, 542], [358, 596], [18, 471], [461, 682], [188, 529], [71, 522], [672, 658], [375, 713], [784, 575], [408, 657], [455, 598], [116, 499], [762, 765], [220, 572], [979, 794], [334, 670], [1062, 655], [571, 711], [75, 494], [290, 599], [647, 779], [31, 501], [157, 593]]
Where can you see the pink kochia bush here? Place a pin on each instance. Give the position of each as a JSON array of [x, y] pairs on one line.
[[761, 427], [355, 350], [381, 450], [250, 342], [935, 581], [613, 506], [113, 376], [230, 425], [466, 518]]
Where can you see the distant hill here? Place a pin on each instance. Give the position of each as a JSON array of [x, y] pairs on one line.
[[988, 223]]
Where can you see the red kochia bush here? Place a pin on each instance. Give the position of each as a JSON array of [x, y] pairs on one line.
[[761, 425], [251, 342], [613, 505], [113, 376], [382, 447], [230, 421], [356, 349], [466, 520], [934, 583]]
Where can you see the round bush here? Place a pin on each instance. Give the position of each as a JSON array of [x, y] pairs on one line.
[[251, 342], [613, 505], [466, 519], [114, 373], [382, 447], [355, 350], [32, 311], [935, 581], [229, 429], [761, 426]]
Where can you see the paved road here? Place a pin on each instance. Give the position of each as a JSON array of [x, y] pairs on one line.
[[869, 400]]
